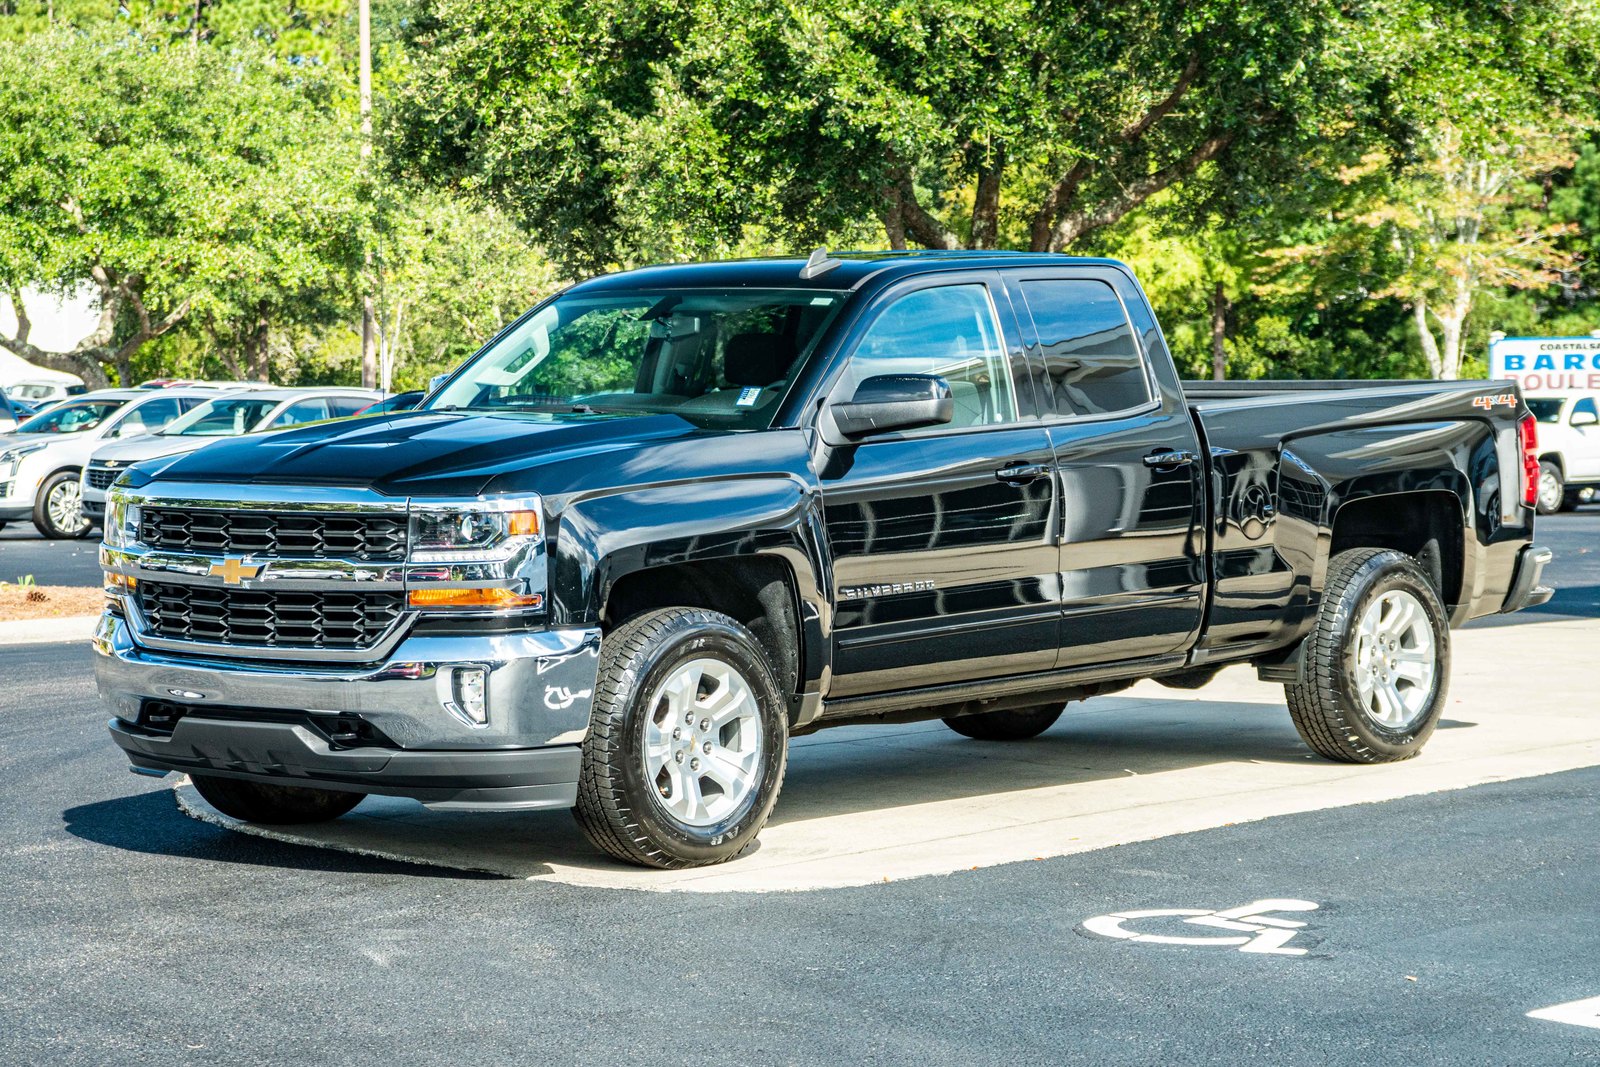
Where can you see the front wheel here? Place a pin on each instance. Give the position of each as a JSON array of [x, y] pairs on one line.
[[1377, 662], [58, 509], [1552, 488], [1012, 724], [688, 741], [279, 805]]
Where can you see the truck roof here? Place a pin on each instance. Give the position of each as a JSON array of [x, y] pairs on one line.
[[853, 269]]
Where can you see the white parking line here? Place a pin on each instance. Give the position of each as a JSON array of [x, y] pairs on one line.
[[1574, 1013]]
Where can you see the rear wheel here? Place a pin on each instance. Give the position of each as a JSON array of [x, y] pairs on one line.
[[58, 509], [1377, 662], [688, 741], [1012, 724], [273, 804], [1552, 488]]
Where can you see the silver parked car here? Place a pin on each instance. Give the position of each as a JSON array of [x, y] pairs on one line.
[[228, 415]]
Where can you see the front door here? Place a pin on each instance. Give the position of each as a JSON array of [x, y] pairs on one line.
[[943, 539]]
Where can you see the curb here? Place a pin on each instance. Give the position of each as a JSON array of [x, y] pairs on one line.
[[47, 631]]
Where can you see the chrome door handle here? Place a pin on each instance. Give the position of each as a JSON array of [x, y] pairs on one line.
[[1181, 457], [1021, 473]]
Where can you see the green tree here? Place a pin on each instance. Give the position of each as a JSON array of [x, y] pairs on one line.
[[619, 130], [175, 181]]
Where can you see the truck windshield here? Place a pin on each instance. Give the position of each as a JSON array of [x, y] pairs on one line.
[[1546, 408], [719, 358]]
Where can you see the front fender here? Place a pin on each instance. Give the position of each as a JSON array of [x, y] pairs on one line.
[[599, 539]]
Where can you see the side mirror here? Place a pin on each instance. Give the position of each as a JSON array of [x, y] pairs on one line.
[[895, 402], [433, 383], [1584, 418]]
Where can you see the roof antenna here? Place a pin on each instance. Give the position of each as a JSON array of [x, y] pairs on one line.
[[819, 264]]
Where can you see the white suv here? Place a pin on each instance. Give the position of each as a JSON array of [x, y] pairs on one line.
[[1569, 447], [41, 462]]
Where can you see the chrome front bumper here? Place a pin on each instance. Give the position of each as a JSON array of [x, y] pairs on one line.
[[539, 689]]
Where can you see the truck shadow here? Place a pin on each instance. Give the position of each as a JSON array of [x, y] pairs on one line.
[[151, 823]]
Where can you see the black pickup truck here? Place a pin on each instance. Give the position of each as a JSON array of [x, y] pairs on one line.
[[671, 518]]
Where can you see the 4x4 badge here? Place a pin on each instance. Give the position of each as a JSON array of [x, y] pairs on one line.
[[234, 571]]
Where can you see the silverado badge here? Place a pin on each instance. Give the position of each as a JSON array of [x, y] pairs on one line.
[[234, 571]]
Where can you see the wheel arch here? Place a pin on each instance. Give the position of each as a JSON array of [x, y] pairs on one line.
[[1428, 524]]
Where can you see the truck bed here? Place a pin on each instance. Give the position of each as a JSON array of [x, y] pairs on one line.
[[1285, 456]]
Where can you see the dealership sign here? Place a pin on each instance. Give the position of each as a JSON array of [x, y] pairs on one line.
[[1540, 364]]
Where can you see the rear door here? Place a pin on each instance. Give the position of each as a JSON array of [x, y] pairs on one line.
[[1127, 455], [943, 539]]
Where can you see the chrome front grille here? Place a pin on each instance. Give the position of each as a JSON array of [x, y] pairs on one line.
[[269, 618], [276, 534], [100, 477]]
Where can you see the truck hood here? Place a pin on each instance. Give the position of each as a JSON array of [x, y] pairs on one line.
[[415, 453]]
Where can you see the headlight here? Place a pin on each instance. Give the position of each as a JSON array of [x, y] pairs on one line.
[[477, 555], [476, 530], [121, 524], [12, 457]]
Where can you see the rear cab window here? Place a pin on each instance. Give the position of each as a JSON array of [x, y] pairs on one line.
[[1091, 361]]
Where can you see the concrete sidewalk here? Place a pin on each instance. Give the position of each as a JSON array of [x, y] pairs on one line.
[[871, 804], [47, 631]]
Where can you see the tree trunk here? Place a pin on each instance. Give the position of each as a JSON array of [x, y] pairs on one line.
[[258, 354], [1219, 333], [986, 203], [1430, 344]]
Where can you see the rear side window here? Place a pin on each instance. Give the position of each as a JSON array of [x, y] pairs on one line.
[[1092, 363]]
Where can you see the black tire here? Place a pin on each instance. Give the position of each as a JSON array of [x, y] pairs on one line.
[[619, 808], [279, 805], [1552, 488], [1569, 499], [1012, 724], [43, 520], [1327, 707]]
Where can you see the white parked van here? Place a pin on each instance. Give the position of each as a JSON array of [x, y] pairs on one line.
[[1569, 447]]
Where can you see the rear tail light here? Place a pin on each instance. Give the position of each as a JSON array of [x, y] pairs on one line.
[[1528, 439]]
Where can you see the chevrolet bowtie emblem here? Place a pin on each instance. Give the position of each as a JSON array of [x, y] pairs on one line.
[[234, 571]]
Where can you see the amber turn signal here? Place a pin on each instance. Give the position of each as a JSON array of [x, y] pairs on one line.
[[473, 598], [522, 523], [120, 583]]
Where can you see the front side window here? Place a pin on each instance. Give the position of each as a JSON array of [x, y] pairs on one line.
[[220, 418], [78, 417], [345, 406], [950, 332], [301, 411], [149, 416], [1091, 360], [719, 358]]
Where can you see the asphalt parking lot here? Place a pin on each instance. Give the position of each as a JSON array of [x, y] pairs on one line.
[[1434, 920]]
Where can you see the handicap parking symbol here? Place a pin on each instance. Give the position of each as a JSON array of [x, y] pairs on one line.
[[1251, 926]]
